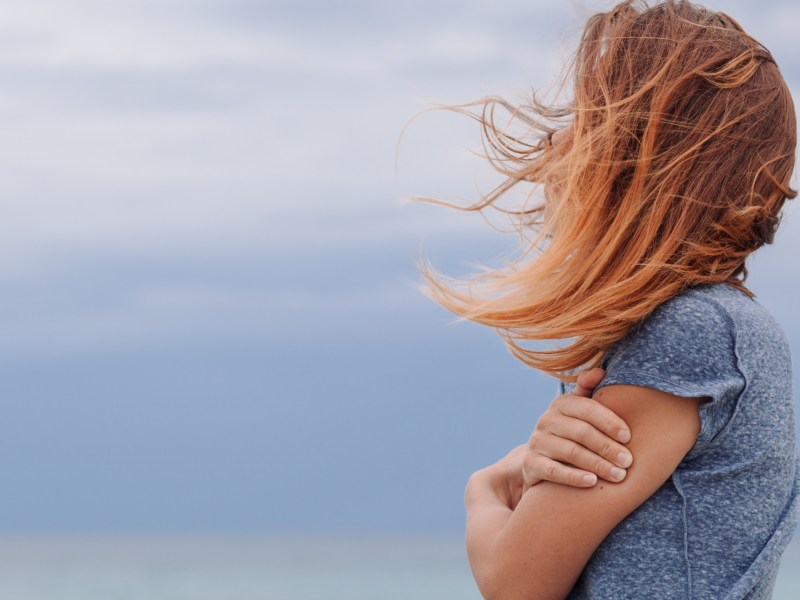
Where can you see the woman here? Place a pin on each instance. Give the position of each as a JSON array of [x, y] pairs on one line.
[[671, 167]]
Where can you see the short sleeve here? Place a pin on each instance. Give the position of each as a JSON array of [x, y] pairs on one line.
[[686, 347]]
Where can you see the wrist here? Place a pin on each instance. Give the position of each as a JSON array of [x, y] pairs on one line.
[[485, 487]]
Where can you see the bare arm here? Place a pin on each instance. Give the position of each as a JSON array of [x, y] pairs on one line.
[[576, 440], [538, 550]]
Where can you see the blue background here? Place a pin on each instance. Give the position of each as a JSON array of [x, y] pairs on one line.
[[210, 321]]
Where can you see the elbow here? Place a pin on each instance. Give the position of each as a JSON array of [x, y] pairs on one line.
[[499, 578], [497, 587], [509, 593], [489, 579], [514, 586], [506, 593], [492, 589]]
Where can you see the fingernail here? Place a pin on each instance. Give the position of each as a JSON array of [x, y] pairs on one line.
[[617, 474], [624, 436], [624, 459], [590, 479]]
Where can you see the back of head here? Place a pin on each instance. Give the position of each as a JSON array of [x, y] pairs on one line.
[[682, 146], [690, 121]]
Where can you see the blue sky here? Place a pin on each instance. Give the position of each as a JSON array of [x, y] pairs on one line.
[[210, 322]]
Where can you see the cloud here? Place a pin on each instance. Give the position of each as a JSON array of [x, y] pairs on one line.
[[217, 132], [204, 260]]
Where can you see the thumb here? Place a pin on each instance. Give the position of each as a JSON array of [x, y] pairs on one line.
[[588, 380]]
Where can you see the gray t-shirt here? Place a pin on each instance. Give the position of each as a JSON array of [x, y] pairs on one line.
[[718, 526]]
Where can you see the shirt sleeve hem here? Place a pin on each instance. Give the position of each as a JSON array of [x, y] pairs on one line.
[[655, 382]]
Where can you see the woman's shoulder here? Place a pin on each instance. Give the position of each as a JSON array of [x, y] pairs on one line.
[[718, 313], [696, 307], [709, 339], [751, 325], [728, 299], [686, 347], [697, 320]]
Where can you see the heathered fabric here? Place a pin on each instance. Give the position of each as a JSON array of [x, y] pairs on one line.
[[718, 526]]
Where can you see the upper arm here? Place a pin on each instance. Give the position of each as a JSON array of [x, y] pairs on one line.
[[554, 529]]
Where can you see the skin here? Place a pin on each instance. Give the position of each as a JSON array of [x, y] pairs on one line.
[[561, 135], [577, 438], [535, 548]]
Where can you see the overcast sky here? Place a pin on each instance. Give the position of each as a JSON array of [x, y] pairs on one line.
[[210, 321]]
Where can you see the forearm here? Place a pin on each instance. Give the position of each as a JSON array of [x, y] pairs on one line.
[[519, 554], [487, 514]]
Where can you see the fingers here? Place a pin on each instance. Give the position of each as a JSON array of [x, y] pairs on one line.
[[577, 439], [597, 450], [588, 380], [593, 413], [541, 468], [586, 461]]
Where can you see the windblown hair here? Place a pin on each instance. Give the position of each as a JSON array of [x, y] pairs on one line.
[[678, 167]]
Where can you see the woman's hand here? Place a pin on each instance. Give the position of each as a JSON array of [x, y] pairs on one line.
[[576, 440], [503, 479], [575, 437]]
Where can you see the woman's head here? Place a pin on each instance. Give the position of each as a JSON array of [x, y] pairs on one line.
[[669, 165], [689, 121]]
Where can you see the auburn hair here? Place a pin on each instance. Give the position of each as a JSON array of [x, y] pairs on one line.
[[682, 148]]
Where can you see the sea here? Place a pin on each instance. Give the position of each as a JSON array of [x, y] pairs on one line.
[[253, 568]]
